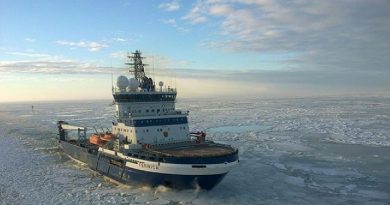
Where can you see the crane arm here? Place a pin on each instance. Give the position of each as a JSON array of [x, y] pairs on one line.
[[72, 127]]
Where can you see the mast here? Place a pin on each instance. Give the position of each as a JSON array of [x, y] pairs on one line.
[[137, 67]]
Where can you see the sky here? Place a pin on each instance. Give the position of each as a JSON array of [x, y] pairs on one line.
[[69, 50]]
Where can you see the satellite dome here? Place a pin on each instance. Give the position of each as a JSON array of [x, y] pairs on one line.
[[122, 82], [160, 83], [133, 84]]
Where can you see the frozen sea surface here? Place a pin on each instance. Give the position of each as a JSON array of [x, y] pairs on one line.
[[292, 151]]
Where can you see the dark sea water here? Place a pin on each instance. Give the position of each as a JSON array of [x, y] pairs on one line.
[[292, 151]]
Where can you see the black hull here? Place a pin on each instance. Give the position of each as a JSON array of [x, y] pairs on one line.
[[113, 168]]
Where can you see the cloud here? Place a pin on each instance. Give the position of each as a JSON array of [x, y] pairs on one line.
[[119, 39], [192, 87], [49, 64], [222, 9], [347, 35], [281, 83], [30, 40], [59, 66], [289, 82], [169, 21], [172, 22], [197, 14], [164, 63], [119, 54], [218, 82], [90, 45], [28, 54], [170, 6]]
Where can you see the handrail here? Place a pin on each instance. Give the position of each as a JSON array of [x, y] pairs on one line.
[[142, 91]]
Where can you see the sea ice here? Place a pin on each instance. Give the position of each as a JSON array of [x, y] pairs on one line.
[[292, 151]]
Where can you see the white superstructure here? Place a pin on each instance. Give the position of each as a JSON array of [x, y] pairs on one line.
[[147, 115]]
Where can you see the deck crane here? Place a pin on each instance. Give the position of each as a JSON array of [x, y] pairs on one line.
[[64, 127]]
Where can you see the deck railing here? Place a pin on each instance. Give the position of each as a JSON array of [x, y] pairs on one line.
[[157, 90]]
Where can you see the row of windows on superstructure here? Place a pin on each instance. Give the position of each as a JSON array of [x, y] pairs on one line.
[[153, 110], [165, 121], [144, 98], [123, 130], [144, 130], [169, 97]]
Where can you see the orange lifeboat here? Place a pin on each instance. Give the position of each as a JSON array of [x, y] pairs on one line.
[[96, 139], [108, 136], [101, 139]]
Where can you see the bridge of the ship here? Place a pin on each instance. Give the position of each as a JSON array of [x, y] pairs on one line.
[[150, 96]]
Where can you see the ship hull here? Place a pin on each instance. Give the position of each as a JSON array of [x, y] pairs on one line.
[[110, 166]]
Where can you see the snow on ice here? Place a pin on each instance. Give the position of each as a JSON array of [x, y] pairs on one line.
[[292, 151]]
